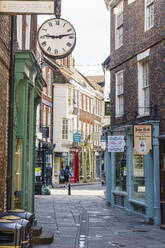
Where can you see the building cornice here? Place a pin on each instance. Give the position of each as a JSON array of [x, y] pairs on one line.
[[111, 3]]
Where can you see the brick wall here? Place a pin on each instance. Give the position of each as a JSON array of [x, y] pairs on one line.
[[135, 41], [4, 102]]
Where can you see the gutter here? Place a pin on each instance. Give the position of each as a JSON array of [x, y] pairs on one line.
[[11, 115]]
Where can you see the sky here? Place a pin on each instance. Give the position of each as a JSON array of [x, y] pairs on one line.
[[90, 19]]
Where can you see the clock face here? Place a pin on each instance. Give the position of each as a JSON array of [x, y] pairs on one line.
[[57, 38]]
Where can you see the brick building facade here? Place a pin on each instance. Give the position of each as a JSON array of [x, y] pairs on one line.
[[4, 105], [137, 97]]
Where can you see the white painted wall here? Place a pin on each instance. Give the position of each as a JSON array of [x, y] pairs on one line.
[[60, 111]]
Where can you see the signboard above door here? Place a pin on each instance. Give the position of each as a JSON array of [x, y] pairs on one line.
[[27, 7]]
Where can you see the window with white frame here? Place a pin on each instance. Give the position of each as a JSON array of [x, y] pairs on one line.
[[84, 103], [87, 129], [49, 82], [65, 128], [44, 116], [27, 37], [149, 14], [143, 88], [95, 106], [80, 100], [73, 127], [19, 31], [49, 121], [44, 76], [84, 125], [119, 94], [91, 130], [119, 25], [69, 97], [92, 107], [88, 104], [79, 126], [76, 98]]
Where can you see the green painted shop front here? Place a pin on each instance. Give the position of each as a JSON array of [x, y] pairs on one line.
[[27, 95]]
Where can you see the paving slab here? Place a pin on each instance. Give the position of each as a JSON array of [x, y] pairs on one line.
[[82, 220]]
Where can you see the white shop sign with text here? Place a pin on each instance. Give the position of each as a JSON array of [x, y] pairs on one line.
[[27, 7], [116, 143]]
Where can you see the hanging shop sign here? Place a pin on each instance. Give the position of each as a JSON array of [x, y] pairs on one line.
[[116, 143], [27, 7], [142, 139], [77, 137]]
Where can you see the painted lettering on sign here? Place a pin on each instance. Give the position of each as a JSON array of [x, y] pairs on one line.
[[27, 7], [142, 139]]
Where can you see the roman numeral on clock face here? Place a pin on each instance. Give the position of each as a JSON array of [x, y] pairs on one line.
[[57, 22], [68, 44], [56, 51], [49, 49], [42, 37], [50, 24], [43, 43], [69, 30]]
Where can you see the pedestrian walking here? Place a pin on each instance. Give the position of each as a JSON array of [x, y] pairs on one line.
[[67, 173]]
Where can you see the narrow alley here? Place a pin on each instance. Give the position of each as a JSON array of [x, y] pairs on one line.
[[81, 220]]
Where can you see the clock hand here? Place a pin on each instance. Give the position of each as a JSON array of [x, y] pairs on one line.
[[52, 36], [57, 36], [63, 35]]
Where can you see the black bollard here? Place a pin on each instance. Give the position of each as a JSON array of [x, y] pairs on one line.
[[69, 189]]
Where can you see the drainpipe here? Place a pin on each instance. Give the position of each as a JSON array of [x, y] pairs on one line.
[[11, 114]]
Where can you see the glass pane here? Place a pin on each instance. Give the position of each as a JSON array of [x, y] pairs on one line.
[[18, 174], [138, 177], [121, 171]]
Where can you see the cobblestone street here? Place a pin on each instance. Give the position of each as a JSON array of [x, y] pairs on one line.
[[81, 220]]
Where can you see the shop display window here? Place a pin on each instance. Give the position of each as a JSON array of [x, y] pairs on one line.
[[18, 174], [87, 164], [120, 171], [138, 177]]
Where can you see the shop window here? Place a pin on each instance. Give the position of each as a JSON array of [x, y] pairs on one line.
[[87, 163], [138, 177], [121, 171], [18, 174]]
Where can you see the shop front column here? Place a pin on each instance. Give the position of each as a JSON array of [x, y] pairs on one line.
[[156, 173]]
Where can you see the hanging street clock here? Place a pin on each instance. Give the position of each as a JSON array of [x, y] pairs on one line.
[[56, 38]]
